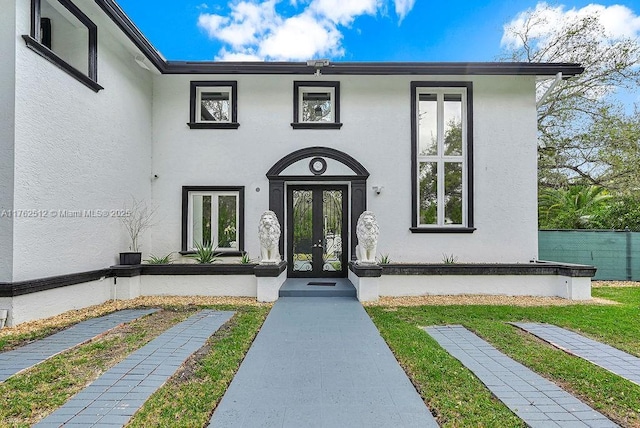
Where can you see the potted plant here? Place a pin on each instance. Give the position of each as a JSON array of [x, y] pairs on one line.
[[138, 219]]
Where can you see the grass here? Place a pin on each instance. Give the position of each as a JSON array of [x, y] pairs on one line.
[[452, 392], [38, 391], [189, 398], [458, 398]]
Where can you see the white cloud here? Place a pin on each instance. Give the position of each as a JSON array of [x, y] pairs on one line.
[[618, 21], [302, 37], [224, 55], [247, 21], [343, 12], [403, 7], [255, 30]]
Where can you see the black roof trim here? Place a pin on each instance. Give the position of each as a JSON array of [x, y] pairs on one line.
[[117, 15], [375, 68]]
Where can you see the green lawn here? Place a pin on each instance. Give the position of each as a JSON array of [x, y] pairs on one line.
[[458, 398], [452, 392]]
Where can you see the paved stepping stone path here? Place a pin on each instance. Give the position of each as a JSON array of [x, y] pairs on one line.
[[534, 399], [17, 360], [320, 362], [115, 396], [605, 356]]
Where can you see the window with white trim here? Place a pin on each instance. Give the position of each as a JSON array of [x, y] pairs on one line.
[[213, 104], [442, 148], [316, 105], [213, 215]]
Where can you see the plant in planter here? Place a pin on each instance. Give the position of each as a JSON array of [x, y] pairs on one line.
[[246, 259], [204, 253], [139, 219], [155, 260]]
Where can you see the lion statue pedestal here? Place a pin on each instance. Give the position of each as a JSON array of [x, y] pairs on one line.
[[367, 231], [269, 235]]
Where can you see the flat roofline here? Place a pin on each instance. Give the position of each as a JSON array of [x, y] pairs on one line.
[[117, 15]]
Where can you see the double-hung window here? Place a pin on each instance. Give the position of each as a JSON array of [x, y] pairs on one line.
[[213, 215], [442, 175], [316, 105], [214, 105]]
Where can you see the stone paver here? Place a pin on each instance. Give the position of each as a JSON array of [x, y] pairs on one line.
[[320, 362], [534, 399], [605, 356], [115, 396], [17, 360]]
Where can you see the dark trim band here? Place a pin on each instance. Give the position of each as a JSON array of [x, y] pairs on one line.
[[576, 271], [12, 289], [327, 152]]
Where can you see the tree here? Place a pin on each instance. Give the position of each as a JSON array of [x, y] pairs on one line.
[[579, 122], [574, 208]]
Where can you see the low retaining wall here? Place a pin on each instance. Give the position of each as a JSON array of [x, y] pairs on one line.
[[45, 297], [41, 298], [533, 279]]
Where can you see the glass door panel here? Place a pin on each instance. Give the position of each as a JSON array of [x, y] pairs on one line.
[[302, 230], [317, 231]]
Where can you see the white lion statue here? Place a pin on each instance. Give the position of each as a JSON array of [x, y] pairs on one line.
[[367, 231], [269, 234]]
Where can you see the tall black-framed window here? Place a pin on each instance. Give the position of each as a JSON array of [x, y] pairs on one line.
[[213, 105], [64, 35], [316, 105], [213, 215], [442, 157]]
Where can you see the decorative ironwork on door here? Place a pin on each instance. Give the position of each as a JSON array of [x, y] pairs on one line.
[[317, 235]]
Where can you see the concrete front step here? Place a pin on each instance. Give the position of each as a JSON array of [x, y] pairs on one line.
[[317, 287]]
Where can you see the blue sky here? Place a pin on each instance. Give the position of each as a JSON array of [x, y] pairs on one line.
[[344, 30]]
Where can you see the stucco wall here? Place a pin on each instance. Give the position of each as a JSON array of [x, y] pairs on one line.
[[7, 107], [375, 111], [77, 150]]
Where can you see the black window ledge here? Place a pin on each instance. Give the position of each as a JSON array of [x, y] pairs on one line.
[[51, 56], [306, 125], [219, 253], [221, 125], [442, 229]]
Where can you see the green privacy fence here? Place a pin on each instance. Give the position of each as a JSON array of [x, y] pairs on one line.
[[616, 254]]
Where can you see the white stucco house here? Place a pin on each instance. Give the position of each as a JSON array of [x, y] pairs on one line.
[[92, 115]]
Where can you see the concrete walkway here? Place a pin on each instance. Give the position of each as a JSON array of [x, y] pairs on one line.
[[320, 362], [605, 356], [534, 399], [17, 360], [115, 396]]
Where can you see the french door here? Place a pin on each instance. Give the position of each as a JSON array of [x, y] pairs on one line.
[[317, 231]]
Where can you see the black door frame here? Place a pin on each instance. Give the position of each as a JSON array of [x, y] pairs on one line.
[[357, 182], [318, 230]]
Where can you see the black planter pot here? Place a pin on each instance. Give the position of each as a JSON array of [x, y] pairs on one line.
[[130, 258]]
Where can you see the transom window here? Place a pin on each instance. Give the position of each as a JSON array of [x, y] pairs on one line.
[[213, 105], [213, 216], [316, 105], [64, 35], [442, 152]]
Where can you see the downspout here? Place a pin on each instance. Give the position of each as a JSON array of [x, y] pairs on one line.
[[549, 89]]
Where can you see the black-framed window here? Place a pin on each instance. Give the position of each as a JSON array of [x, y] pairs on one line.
[[65, 36], [213, 215], [442, 157], [316, 105], [213, 105]]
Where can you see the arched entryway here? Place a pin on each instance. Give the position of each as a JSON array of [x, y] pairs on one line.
[[323, 179]]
